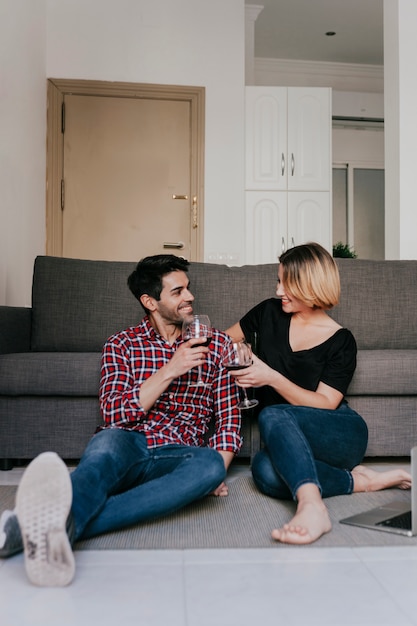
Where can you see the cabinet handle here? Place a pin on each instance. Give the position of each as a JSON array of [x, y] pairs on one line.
[[292, 242], [282, 244], [292, 164], [282, 164]]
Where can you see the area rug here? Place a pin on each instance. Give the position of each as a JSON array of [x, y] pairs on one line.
[[244, 519]]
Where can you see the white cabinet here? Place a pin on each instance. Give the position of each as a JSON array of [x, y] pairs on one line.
[[277, 220], [288, 150]]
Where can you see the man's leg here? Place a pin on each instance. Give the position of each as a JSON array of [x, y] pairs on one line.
[[176, 476], [43, 522], [43, 503], [114, 461]]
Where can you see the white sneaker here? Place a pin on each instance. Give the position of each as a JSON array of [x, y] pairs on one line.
[[43, 502]]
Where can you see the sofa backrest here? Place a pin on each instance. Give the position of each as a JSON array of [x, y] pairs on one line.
[[77, 304], [379, 303]]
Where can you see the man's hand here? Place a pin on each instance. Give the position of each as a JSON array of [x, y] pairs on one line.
[[183, 360], [222, 490], [190, 354]]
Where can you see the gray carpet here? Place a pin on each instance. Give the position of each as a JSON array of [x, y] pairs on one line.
[[242, 520]]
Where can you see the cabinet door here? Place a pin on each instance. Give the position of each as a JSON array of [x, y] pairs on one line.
[[309, 218], [266, 137], [265, 225], [309, 138]]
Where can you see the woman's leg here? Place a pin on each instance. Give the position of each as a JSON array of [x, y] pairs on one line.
[[306, 445], [313, 451], [175, 477], [310, 521], [308, 449]]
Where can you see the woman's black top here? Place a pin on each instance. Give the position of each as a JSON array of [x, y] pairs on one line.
[[332, 362]]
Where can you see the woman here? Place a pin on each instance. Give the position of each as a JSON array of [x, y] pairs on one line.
[[314, 442]]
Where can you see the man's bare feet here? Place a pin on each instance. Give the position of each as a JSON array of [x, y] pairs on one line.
[[309, 523], [367, 479]]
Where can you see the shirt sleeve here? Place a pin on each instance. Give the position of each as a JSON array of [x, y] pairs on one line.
[[341, 362], [227, 416], [119, 393], [252, 320]]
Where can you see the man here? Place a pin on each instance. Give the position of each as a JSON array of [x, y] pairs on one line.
[[149, 458]]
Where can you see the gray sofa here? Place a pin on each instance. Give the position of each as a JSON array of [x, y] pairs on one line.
[[50, 353]]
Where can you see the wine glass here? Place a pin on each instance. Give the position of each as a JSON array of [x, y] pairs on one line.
[[240, 357], [198, 326]]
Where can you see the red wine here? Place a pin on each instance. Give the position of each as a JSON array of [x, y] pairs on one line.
[[206, 342], [233, 366]]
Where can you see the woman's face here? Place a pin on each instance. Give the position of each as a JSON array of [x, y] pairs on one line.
[[289, 303]]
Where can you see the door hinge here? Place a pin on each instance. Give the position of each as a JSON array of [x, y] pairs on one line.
[[63, 118], [62, 194]]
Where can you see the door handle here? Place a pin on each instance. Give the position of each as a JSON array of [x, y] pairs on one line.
[[179, 245]]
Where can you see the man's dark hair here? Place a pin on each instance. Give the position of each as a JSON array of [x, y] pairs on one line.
[[149, 272]]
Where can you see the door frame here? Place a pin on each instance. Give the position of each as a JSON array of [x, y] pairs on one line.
[[58, 88]]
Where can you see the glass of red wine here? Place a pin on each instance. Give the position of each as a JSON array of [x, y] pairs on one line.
[[198, 326], [240, 357]]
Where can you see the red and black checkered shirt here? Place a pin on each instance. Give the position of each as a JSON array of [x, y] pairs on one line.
[[182, 414]]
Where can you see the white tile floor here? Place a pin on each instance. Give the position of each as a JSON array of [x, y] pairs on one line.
[[289, 587]]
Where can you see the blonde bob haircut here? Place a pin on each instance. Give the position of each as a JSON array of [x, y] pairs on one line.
[[310, 274]]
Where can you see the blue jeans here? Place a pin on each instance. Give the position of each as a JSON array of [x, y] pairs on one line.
[[307, 445], [120, 481]]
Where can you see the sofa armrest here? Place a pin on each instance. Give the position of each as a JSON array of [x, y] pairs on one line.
[[15, 328]]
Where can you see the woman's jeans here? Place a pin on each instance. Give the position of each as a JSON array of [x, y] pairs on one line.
[[120, 481], [307, 445]]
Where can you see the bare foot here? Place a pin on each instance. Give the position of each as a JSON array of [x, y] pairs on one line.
[[309, 523], [367, 479]]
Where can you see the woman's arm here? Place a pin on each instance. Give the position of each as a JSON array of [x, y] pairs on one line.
[[235, 332], [259, 374]]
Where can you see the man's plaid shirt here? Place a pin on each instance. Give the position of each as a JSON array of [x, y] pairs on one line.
[[182, 414]]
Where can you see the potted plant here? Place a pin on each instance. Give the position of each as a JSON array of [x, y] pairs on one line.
[[343, 251]]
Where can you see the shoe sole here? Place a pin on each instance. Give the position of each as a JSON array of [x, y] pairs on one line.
[[43, 503]]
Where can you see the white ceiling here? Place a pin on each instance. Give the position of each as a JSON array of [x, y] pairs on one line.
[[295, 29]]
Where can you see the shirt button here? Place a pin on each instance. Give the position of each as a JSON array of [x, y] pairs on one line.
[[171, 396]]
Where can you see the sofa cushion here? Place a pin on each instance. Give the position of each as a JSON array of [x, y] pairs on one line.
[[385, 373], [50, 374]]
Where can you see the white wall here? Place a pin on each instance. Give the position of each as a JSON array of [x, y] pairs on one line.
[[401, 127], [22, 145], [186, 42]]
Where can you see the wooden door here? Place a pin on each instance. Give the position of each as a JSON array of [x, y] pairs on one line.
[[130, 177]]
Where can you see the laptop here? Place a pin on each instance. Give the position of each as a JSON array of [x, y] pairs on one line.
[[395, 517]]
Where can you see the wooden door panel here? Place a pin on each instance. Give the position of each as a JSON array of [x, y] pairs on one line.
[[124, 160]]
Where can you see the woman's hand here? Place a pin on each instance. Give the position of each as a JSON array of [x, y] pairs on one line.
[[257, 375]]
